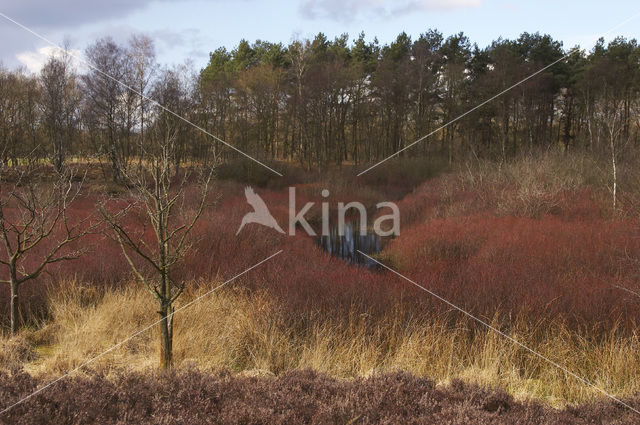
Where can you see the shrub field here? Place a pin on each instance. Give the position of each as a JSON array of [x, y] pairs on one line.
[[532, 247]]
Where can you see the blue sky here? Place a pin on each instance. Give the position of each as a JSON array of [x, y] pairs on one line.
[[188, 29]]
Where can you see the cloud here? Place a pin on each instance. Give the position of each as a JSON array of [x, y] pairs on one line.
[[53, 19], [166, 42], [78, 21], [349, 10], [174, 39], [34, 60], [192, 39], [64, 13]]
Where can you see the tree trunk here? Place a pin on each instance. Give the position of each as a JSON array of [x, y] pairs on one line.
[[614, 171], [166, 336], [14, 307], [141, 147], [59, 156]]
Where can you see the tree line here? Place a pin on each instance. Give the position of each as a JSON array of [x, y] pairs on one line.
[[320, 102]]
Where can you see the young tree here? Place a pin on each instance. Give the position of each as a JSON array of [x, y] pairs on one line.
[[35, 229], [609, 115], [609, 85], [160, 194]]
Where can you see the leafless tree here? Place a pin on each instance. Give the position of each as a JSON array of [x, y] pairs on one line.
[[160, 196], [108, 102], [35, 228], [19, 118], [171, 89], [143, 62], [59, 103], [609, 117]]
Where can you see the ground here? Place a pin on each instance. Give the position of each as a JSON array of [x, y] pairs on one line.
[[532, 247]]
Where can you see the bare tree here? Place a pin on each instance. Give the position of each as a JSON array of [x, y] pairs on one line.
[[108, 102], [35, 229], [610, 116], [143, 62], [19, 116], [171, 89], [59, 103], [159, 194]]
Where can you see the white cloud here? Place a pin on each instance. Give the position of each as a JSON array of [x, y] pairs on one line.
[[55, 18], [347, 10], [34, 60]]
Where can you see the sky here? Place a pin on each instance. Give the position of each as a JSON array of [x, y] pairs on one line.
[[187, 30]]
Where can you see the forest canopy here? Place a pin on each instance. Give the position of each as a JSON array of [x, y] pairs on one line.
[[319, 101]]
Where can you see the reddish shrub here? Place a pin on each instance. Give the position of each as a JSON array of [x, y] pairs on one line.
[[566, 265]]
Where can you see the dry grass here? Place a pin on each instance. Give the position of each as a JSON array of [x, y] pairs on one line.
[[249, 333], [534, 185]]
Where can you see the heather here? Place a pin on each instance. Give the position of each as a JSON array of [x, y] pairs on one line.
[[303, 397]]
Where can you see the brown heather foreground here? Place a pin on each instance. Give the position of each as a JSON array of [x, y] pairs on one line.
[[531, 247], [299, 397]]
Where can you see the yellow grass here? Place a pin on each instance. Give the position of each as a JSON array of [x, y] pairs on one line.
[[248, 333]]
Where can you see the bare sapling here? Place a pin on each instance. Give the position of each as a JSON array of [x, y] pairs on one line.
[[159, 199], [35, 227]]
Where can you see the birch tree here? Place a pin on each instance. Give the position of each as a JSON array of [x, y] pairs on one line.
[[159, 196]]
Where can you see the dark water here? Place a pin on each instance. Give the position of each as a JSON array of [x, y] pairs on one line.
[[347, 246]]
